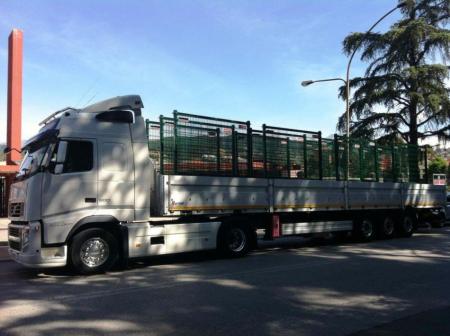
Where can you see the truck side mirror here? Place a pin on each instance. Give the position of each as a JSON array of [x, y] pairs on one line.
[[61, 153], [59, 168]]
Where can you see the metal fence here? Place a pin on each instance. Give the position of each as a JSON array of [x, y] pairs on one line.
[[189, 144]]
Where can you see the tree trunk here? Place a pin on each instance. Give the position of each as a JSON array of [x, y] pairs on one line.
[[413, 155]]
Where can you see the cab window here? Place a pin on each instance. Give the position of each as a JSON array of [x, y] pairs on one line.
[[79, 157]]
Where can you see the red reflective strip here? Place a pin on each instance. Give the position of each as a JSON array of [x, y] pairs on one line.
[[276, 227]]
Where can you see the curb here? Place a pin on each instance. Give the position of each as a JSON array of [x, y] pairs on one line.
[[4, 256]]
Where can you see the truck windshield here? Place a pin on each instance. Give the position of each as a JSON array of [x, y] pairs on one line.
[[33, 159]]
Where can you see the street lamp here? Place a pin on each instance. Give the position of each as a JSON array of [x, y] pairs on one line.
[[309, 82], [347, 82]]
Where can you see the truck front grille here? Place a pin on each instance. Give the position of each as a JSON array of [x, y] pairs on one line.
[[14, 232], [15, 245], [16, 209]]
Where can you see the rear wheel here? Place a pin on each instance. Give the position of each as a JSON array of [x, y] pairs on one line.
[[364, 230], [93, 251], [406, 226], [386, 228], [234, 240]]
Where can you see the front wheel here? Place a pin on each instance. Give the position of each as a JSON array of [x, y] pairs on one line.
[[234, 241], [93, 251]]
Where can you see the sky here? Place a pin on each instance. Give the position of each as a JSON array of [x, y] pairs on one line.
[[241, 60]]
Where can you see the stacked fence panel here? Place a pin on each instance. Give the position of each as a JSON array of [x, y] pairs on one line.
[[329, 159], [154, 141], [258, 156], [189, 144], [385, 163]]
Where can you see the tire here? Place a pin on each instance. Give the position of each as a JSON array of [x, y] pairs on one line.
[[439, 221], [406, 226], [364, 230], [93, 251], [386, 227], [234, 241]]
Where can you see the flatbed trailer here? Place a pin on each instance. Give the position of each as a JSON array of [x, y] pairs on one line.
[[101, 184]]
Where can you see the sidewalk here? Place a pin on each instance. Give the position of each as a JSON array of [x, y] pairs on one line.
[[4, 239]]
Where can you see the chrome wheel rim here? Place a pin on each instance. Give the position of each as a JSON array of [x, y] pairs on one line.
[[236, 240], [367, 228], [94, 252], [388, 226]]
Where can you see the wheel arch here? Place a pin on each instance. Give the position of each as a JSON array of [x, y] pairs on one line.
[[106, 222]]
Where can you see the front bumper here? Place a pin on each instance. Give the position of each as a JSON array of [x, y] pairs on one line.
[[25, 247], [37, 260]]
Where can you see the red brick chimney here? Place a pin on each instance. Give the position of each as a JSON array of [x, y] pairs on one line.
[[14, 120]]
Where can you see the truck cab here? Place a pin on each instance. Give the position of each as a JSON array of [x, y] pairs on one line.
[[80, 168]]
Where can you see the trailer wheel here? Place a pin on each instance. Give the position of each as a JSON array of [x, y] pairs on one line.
[[365, 229], [407, 224], [386, 227], [234, 240], [93, 251]]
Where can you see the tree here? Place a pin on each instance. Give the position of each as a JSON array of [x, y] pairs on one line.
[[405, 77], [438, 166]]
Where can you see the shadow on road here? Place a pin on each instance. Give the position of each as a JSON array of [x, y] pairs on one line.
[[288, 287]]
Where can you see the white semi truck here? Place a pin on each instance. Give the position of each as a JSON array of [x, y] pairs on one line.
[[88, 194]]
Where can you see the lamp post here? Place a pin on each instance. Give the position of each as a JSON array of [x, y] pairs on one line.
[[309, 82], [347, 82]]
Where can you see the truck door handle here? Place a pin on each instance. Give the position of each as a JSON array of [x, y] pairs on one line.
[[90, 200]]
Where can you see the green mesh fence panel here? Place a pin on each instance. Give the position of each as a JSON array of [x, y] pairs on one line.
[[328, 159], [354, 160], [367, 161], [413, 162], [385, 163], [276, 156], [233, 139], [297, 157], [154, 142], [167, 145], [341, 157], [242, 152], [258, 154], [422, 165], [196, 150], [401, 166], [292, 153], [197, 145], [312, 153]]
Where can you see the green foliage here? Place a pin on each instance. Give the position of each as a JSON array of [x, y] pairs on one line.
[[402, 77], [438, 166]]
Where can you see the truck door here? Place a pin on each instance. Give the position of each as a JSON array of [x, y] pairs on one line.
[[116, 178], [69, 186]]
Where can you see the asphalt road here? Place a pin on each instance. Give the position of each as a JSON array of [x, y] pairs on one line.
[[395, 287]]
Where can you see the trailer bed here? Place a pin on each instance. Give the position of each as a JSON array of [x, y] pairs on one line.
[[181, 194]]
